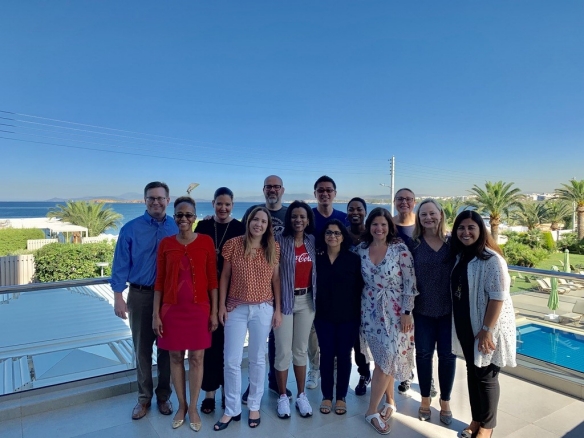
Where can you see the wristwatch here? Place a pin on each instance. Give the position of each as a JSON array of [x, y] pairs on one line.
[[486, 328], [407, 312]]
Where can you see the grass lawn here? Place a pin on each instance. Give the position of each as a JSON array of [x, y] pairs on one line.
[[521, 285]]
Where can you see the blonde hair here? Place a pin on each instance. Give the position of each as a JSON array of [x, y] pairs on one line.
[[268, 242], [419, 230]]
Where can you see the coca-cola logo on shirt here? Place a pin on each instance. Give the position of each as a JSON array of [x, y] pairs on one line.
[[303, 258]]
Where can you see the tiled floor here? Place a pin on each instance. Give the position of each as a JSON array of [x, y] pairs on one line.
[[525, 410]]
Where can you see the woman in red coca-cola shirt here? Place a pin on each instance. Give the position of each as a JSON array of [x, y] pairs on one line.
[[298, 288]]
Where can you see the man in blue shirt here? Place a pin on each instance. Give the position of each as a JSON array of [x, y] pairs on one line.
[[135, 263], [325, 192]]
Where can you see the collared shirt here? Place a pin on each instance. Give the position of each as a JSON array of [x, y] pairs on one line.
[[288, 267], [135, 254]]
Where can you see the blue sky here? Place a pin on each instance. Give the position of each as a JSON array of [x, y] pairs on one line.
[[227, 92]]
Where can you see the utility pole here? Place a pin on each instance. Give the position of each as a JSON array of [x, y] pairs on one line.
[[392, 174]]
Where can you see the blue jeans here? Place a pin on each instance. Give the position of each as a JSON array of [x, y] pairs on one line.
[[430, 334]]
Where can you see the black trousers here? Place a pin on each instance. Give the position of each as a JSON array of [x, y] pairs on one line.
[[213, 361], [483, 383], [362, 365]]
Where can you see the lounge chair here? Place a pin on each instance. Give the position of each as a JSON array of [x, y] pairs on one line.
[[545, 286], [575, 315], [565, 283]]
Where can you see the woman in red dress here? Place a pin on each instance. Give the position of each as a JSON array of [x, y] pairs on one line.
[[185, 305]]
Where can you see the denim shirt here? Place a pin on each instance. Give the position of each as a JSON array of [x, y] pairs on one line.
[[135, 254]]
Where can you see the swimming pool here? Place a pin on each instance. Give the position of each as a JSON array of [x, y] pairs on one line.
[[552, 345]]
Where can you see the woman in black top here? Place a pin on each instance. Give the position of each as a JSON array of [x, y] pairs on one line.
[[433, 306], [221, 227], [338, 306]]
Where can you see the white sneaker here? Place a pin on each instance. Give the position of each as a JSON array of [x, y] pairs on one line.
[[312, 380], [283, 407], [303, 405]]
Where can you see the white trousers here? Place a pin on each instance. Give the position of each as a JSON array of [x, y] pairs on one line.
[[257, 319]]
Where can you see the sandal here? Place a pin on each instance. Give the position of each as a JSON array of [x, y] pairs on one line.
[[340, 406], [385, 429], [208, 406], [326, 406], [386, 408], [445, 416]]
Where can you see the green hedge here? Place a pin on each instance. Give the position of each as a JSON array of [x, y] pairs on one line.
[[520, 254], [68, 261], [13, 240]]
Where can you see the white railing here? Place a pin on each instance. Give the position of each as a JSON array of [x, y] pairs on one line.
[[34, 244], [15, 270]]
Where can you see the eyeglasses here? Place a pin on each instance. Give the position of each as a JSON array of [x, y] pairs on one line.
[[327, 190], [401, 199], [187, 215], [269, 187], [333, 233], [151, 199]]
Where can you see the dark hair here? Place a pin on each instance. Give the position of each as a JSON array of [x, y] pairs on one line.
[[223, 191], [347, 241], [185, 199], [361, 200], [325, 178], [484, 241], [405, 188], [288, 230], [367, 237], [155, 185]]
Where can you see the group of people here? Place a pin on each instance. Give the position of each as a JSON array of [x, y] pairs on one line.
[[318, 283]]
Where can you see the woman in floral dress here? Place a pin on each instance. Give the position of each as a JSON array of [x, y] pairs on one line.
[[386, 312]]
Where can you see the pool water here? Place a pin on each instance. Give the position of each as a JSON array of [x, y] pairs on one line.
[[552, 345]]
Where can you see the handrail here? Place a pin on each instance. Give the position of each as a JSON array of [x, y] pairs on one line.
[[546, 273], [35, 287]]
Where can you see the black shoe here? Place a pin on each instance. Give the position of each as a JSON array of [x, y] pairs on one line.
[[433, 392], [361, 388], [221, 426], [274, 389], [404, 386], [257, 421], [244, 396]]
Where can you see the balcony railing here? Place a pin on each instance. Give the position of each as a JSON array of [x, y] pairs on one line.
[[53, 333]]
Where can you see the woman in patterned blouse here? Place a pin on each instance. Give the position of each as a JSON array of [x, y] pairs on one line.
[[250, 268], [386, 305], [483, 316]]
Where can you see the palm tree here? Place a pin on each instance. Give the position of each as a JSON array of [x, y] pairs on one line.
[[530, 214], [495, 200], [574, 192], [451, 208], [556, 212], [90, 215]]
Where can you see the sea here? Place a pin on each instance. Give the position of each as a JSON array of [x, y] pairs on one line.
[[19, 210]]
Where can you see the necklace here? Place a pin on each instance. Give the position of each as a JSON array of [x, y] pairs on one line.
[[218, 245]]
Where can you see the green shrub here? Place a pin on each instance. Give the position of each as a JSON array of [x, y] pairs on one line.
[[13, 240], [570, 242], [68, 261], [520, 254], [548, 241]]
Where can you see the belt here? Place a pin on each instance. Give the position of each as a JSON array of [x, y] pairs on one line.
[[302, 290], [141, 287]]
